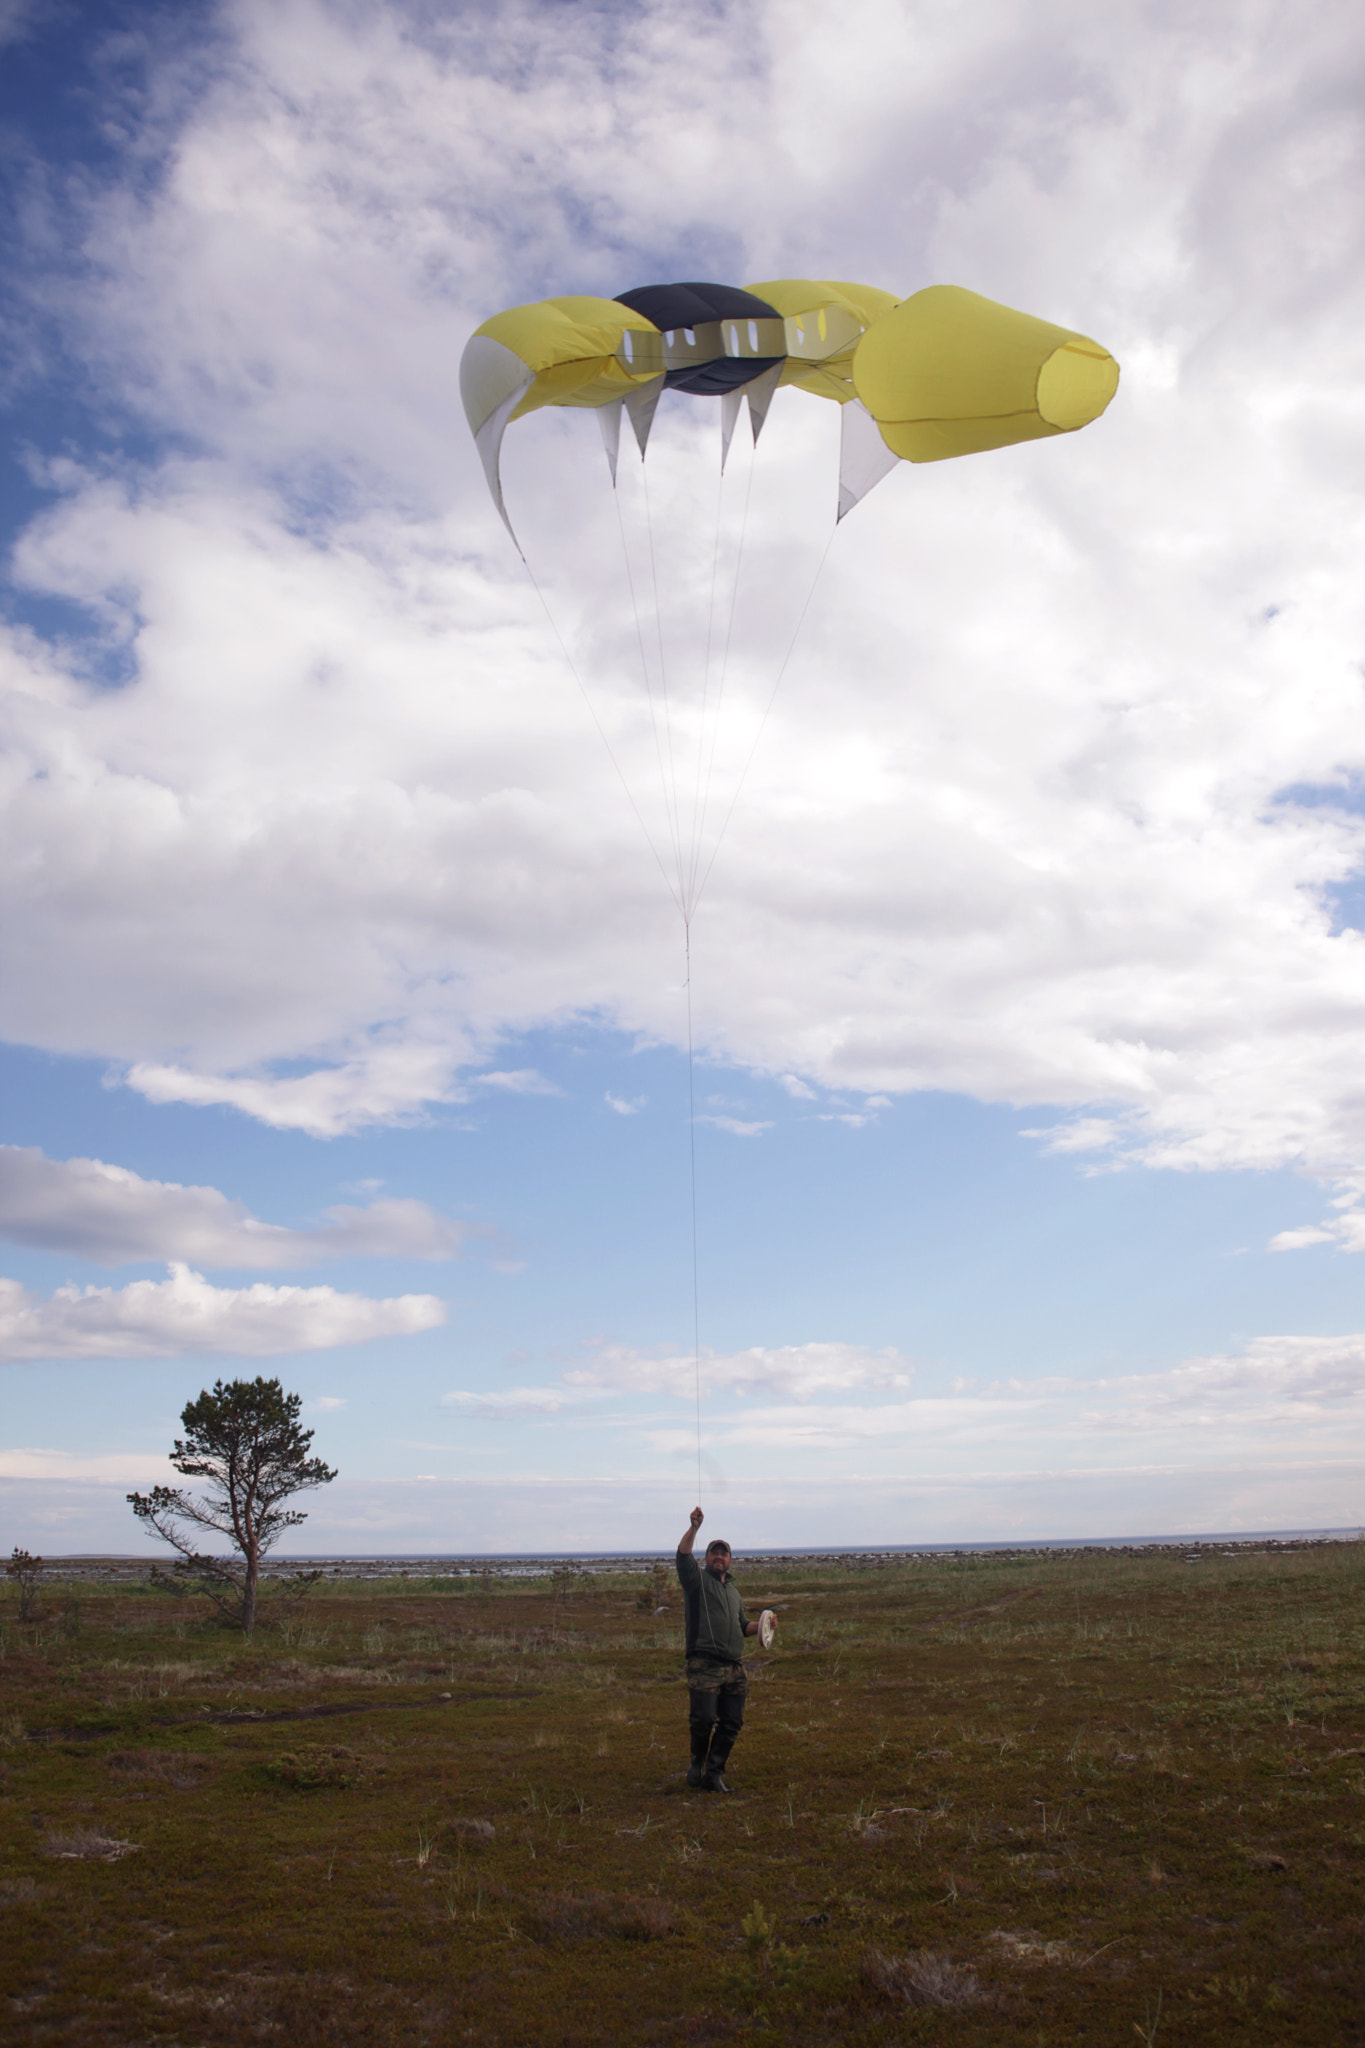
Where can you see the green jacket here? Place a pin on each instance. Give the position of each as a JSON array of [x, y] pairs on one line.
[[716, 1620]]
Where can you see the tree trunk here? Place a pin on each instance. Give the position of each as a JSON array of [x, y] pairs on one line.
[[253, 1566]]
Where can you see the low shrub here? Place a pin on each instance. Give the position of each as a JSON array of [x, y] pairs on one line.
[[922, 1979], [315, 1767], [656, 1594]]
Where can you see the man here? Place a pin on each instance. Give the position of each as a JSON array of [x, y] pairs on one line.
[[716, 1685]]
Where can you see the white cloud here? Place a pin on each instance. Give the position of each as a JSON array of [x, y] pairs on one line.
[[113, 1216], [521, 1081], [122, 1468], [625, 1105], [798, 1371], [736, 1126], [803, 1403], [1276, 1380], [388, 1084], [510, 1401], [327, 1403], [1296, 1240], [1297, 1388], [185, 1316], [349, 818], [1080, 1134], [794, 1372], [1346, 1229]]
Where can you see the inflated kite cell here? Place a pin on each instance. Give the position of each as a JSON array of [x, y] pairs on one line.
[[945, 372]]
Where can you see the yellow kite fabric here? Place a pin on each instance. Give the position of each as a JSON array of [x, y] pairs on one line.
[[945, 372], [824, 323], [950, 373]]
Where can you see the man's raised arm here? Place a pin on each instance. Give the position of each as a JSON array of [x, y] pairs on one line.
[[689, 1535]]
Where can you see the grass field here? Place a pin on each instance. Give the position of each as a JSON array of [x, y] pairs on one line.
[[1043, 1799]]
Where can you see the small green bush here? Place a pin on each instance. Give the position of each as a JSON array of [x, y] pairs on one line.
[[316, 1767]]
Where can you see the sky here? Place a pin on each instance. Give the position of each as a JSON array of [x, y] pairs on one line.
[[344, 996]]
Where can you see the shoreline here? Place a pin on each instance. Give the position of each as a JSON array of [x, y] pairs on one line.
[[524, 1565]]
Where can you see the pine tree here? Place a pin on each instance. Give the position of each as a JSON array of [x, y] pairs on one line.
[[244, 1439]]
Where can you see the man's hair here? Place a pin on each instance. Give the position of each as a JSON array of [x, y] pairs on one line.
[[718, 1543]]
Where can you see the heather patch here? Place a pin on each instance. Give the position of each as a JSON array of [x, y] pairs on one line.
[[314, 1767]]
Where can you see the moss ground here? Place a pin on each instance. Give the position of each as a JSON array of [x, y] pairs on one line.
[[1044, 1800]]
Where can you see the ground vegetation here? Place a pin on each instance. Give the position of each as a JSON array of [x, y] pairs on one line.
[[1033, 1800]]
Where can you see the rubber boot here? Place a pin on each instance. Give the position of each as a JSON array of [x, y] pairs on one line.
[[701, 1742], [712, 1780]]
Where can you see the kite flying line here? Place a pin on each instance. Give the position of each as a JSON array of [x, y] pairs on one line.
[[692, 858]]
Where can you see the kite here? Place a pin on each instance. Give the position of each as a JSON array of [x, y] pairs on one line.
[[945, 372], [942, 373]]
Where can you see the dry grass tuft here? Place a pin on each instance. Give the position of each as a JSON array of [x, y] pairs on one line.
[[470, 1830], [923, 1979], [85, 1844], [307, 2009], [1026, 1947]]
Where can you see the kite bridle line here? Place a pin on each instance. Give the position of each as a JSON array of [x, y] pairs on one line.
[[572, 667], [767, 710], [697, 800], [700, 800], [663, 671], [692, 1162], [685, 886], [686, 866], [699, 812]]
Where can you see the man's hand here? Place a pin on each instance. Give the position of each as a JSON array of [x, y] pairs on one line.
[[696, 1518], [694, 1522]]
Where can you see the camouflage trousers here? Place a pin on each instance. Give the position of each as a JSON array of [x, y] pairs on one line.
[[715, 1703]]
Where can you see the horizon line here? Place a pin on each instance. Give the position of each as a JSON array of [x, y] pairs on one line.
[[1348, 1533]]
